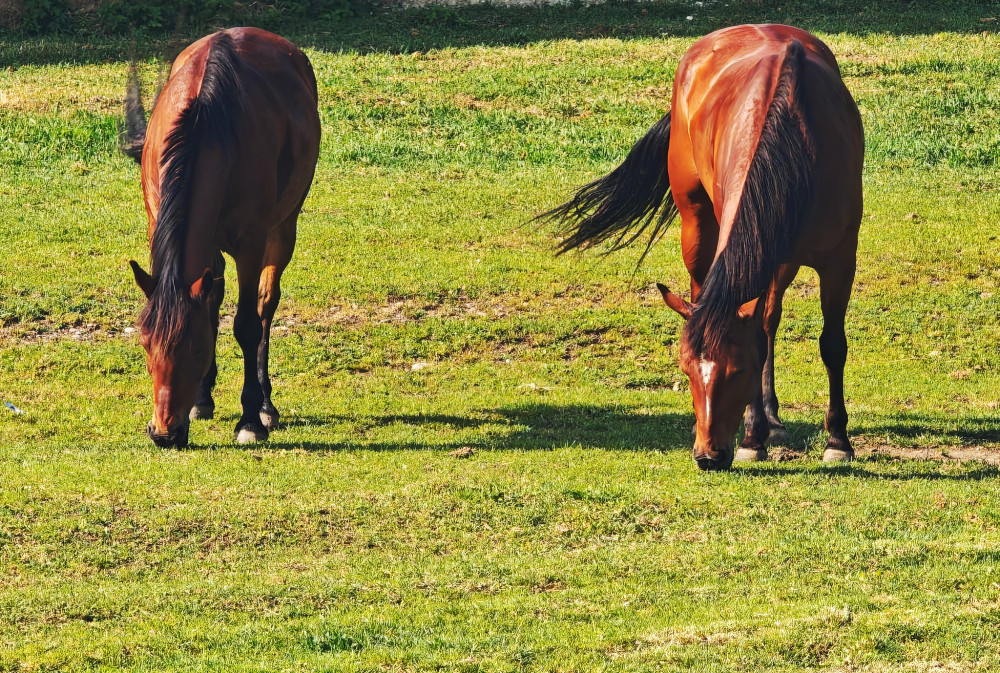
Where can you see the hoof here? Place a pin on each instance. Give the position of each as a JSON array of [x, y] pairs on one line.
[[269, 419], [250, 434], [778, 436], [202, 411], [838, 450], [837, 454], [749, 455]]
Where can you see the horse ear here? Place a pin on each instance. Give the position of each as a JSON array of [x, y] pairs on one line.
[[142, 279], [752, 309], [202, 288], [675, 302]]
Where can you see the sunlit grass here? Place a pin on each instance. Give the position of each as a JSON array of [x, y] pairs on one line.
[[527, 500]]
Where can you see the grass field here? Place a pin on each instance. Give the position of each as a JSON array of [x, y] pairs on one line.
[[577, 533]]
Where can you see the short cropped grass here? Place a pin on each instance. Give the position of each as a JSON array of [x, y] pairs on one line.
[[523, 499]]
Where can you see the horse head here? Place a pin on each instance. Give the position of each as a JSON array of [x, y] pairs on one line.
[[179, 349], [724, 379]]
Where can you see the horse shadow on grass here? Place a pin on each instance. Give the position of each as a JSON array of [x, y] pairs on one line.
[[529, 427], [542, 427]]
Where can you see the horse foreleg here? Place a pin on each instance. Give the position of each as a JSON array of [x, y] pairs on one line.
[[276, 257], [204, 405], [835, 291], [270, 293], [247, 328], [777, 435]]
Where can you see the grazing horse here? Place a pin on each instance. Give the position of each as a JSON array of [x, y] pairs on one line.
[[227, 160], [761, 156]]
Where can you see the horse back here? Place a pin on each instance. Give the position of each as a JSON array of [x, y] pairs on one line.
[[267, 171], [723, 91]]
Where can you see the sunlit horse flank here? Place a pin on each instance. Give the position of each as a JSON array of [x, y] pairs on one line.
[[761, 156], [227, 160]]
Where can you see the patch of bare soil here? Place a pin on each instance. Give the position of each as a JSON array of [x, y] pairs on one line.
[[944, 454], [47, 332], [399, 311]]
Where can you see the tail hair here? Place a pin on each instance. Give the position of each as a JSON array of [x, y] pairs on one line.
[[625, 204], [132, 133], [777, 191]]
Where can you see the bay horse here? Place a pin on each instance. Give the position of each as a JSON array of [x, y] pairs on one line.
[[227, 159], [761, 155]]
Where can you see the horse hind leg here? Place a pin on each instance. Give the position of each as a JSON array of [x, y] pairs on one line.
[[835, 291], [204, 405]]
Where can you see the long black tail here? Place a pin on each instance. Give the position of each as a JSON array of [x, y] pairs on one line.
[[132, 134], [624, 204]]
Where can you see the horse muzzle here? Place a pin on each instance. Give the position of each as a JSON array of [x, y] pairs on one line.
[[713, 461], [178, 437]]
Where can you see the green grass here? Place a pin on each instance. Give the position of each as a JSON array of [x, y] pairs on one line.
[[578, 535]]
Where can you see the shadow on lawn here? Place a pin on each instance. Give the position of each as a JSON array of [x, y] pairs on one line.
[[859, 470], [439, 27], [539, 427], [968, 430], [529, 427]]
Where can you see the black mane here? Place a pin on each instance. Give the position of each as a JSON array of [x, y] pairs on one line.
[[209, 118], [776, 194]]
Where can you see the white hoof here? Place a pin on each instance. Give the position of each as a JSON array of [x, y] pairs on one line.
[[777, 437], [744, 455], [248, 436], [270, 421], [837, 455]]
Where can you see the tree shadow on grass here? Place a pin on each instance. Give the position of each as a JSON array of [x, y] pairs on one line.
[[860, 469], [438, 27], [964, 429]]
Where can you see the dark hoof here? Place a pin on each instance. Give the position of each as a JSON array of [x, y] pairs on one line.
[[202, 412], [269, 418], [778, 436], [838, 450], [248, 433], [746, 454]]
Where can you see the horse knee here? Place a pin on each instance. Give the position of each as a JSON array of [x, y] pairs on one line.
[[268, 298]]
